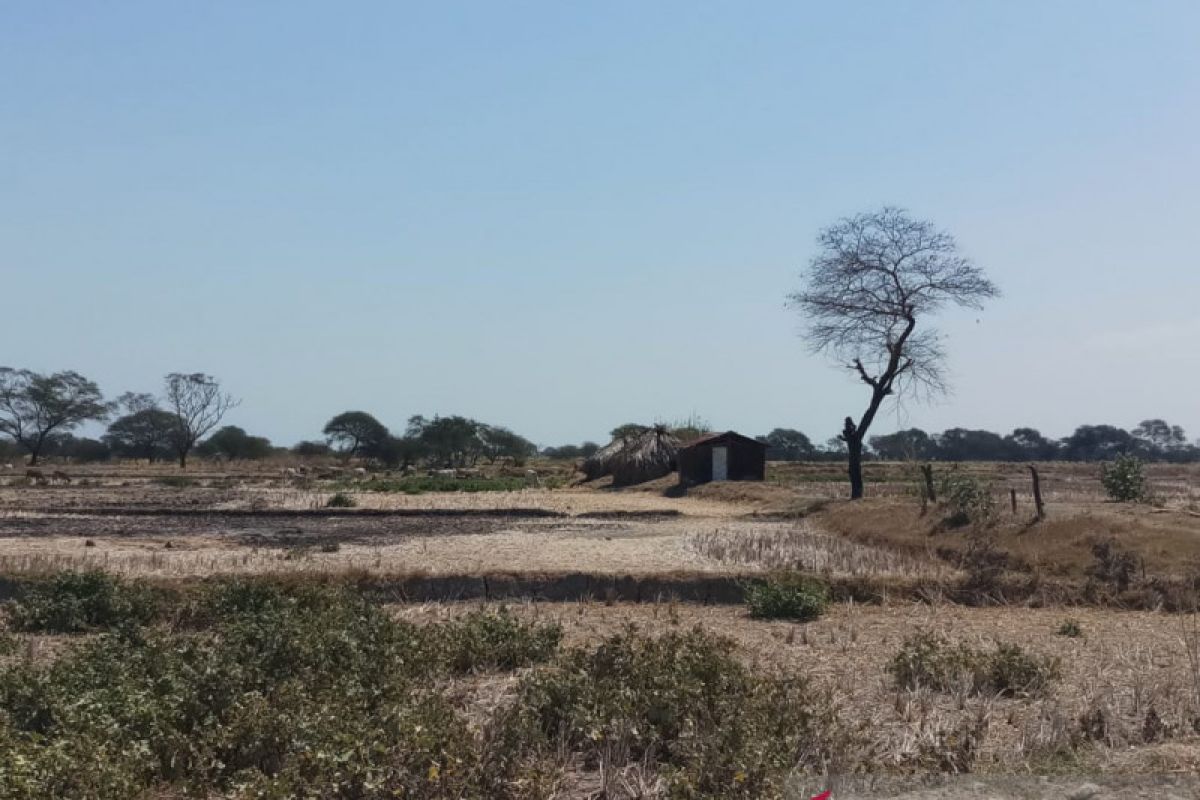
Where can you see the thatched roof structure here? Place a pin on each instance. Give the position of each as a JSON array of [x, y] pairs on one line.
[[635, 459], [599, 463]]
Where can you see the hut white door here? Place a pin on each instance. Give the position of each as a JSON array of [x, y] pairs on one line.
[[720, 470]]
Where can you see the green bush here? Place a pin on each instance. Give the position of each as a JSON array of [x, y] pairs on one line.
[[303, 692], [1124, 480], [74, 602], [967, 499], [1070, 628], [787, 597], [930, 661], [271, 691], [486, 641], [683, 702], [340, 500]]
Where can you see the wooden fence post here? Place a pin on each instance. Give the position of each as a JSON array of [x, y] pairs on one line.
[[1012, 498], [1037, 492]]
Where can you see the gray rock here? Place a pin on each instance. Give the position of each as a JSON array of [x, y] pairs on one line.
[[1085, 792]]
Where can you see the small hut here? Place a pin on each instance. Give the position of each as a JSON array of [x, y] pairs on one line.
[[725, 456], [643, 457], [599, 463]]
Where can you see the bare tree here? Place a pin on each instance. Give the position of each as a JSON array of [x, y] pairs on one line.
[[877, 277], [34, 406], [198, 404]]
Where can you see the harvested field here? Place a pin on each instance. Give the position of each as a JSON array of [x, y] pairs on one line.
[[1125, 707]]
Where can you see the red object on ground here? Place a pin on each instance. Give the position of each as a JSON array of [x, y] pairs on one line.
[[825, 795]]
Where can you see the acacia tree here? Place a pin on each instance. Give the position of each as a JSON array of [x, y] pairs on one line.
[[143, 431], [355, 433], [34, 407], [198, 404], [867, 297]]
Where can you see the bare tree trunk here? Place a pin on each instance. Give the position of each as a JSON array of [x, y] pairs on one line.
[[183, 459], [854, 446], [930, 493], [1037, 492], [1012, 498]]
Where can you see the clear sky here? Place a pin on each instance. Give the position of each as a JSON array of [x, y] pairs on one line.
[[564, 216]]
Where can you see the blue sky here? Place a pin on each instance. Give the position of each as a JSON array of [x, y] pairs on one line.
[[565, 216]]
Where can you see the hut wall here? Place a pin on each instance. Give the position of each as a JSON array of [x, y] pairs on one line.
[[746, 460]]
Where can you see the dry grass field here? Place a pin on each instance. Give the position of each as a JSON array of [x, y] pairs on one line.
[[1125, 705]]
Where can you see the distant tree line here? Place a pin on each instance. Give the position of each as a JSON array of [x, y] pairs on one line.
[[1152, 440], [40, 412], [452, 441]]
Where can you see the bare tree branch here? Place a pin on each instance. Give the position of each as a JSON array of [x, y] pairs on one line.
[[877, 277]]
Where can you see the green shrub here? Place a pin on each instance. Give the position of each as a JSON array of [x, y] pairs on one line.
[[292, 692], [340, 500], [482, 641], [968, 500], [928, 660], [787, 597], [73, 602], [1070, 628], [684, 703], [1124, 480]]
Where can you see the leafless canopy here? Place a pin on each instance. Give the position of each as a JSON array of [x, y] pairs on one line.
[[198, 404], [877, 276]]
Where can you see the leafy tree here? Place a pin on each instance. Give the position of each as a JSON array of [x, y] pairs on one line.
[[499, 442], [311, 449], [355, 432], [565, 452], [786, 444], [1027, 444], [234, 443], [396, 451], [1160, 438], [147, 434], [1097, 443], [34, 406], [198, 404], [588, 449], [962, 444], [76, 449], [908, 445], [453, 441], [629, 430], [876, 277]]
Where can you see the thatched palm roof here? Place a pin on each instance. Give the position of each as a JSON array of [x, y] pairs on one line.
[[635, 459]]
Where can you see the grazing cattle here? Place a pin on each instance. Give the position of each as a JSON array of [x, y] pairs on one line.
[[291, 472], [35, 476], [59, 475], [360, 470]]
